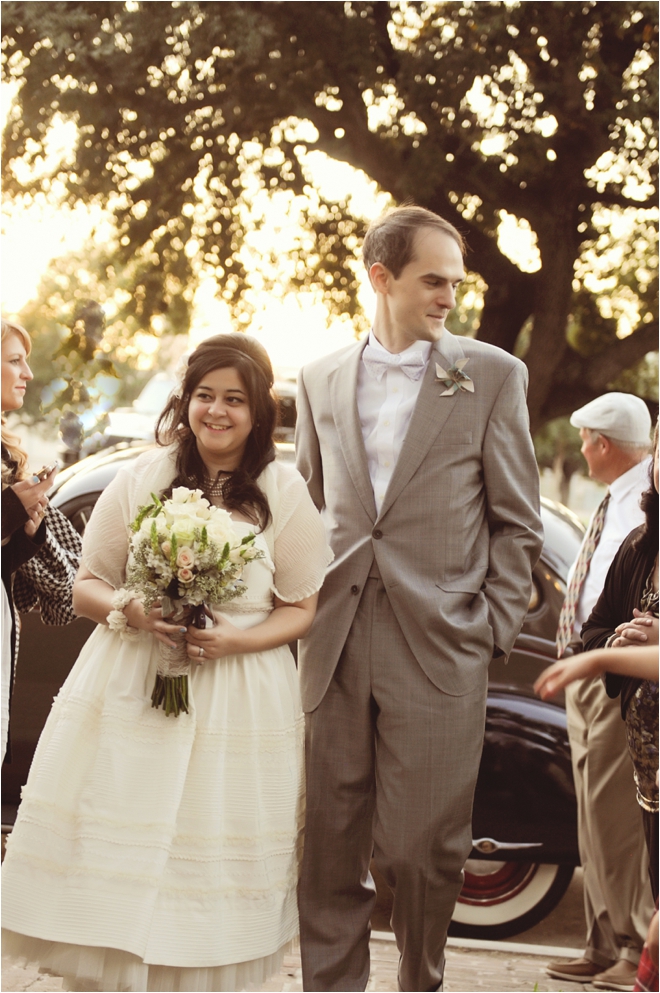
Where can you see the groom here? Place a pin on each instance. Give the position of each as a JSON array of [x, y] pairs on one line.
[[415, 446]]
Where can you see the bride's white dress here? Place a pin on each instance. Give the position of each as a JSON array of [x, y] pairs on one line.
[[161, 853]]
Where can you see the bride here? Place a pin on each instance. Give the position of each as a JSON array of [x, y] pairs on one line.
[[161, 853]]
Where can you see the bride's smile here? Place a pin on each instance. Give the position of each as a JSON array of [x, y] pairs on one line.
[[220, 418]]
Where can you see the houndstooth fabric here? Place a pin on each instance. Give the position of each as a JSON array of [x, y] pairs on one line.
[[587, 549], [46, 580]]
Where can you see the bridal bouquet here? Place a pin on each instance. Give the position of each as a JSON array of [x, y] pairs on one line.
[[185, 553]]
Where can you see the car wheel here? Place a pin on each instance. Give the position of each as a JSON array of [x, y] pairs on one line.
[[500, 899], [79, 510]]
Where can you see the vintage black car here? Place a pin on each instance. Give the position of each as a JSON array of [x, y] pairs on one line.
[[524, 822]]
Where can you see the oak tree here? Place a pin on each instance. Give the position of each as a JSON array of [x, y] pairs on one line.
[[187, 112]]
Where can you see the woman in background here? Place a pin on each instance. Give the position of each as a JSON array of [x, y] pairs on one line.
[[640, 663], [24, 502]]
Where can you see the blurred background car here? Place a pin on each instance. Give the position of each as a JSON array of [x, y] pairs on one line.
[[524, 821]]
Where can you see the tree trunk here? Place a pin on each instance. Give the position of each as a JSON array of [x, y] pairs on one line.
[[507, 305], [552, 307]]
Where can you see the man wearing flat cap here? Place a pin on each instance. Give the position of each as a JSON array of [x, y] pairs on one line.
[[615, 432]]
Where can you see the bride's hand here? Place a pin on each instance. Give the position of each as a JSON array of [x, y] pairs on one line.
[[215, 642], [152, 622]]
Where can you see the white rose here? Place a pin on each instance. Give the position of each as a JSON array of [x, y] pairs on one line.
[[219, 516], [221, 532], [145, 527], [181, 494], [184, 530], [176, 511], [202, 510]]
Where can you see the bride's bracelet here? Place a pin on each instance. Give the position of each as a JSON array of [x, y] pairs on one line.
[[117, 620]]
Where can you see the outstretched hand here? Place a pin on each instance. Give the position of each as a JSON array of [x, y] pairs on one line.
[[557, 676], [639, 661]]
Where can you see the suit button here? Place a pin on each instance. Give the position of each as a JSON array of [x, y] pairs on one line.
[[377, 533], [355, 590]]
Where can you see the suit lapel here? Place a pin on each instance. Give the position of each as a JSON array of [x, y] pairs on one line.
[[428, 418], [343, 398]]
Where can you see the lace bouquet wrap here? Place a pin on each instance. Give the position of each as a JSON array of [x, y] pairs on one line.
[[185, 554]]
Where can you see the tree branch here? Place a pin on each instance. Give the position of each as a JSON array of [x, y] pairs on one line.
[[585, 378], [607, 365], [381, 15], [612, 199]]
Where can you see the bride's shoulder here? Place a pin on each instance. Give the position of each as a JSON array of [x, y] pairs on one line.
[[282, 476], [152, 460], [285, 489], [153, 468]]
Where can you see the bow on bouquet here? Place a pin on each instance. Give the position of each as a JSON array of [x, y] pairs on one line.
[[185, 553]]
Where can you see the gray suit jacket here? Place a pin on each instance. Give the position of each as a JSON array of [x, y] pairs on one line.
[[459, 530]]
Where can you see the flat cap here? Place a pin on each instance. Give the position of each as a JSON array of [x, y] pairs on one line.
[[619, 416]]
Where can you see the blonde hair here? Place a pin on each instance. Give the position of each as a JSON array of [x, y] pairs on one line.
[[10, 441]]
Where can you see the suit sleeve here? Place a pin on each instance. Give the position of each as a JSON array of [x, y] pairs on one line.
[[511, 482], [308, 452]]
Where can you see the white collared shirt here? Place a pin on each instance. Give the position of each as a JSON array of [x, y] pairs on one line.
[[622, 515], [385, 409]]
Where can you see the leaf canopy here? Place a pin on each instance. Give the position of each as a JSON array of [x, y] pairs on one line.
[[188, 113]]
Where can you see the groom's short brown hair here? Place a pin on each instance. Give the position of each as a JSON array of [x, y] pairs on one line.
[[390, 239]]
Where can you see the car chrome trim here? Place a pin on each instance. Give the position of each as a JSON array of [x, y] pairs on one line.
[[488, 845]]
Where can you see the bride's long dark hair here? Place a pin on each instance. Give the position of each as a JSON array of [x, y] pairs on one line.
[[250, 360]]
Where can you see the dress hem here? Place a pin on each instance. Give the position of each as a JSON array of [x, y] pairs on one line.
[[90, 969]]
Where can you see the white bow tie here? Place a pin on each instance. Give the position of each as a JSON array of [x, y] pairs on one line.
[[378, 363]]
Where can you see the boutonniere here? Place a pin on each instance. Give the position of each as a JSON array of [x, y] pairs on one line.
[[454, 378]]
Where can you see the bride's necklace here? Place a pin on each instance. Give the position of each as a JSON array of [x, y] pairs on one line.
[[216, 487]]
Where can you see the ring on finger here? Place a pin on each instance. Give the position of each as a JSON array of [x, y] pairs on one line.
[[201, 653]]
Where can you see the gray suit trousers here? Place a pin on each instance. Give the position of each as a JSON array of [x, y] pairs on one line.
[[392, 764]]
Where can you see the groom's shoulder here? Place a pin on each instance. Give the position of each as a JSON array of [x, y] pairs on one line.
[[327, 363], [488, 352], [495, 358]]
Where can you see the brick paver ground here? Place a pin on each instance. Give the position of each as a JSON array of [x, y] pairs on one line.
[[467, 971]]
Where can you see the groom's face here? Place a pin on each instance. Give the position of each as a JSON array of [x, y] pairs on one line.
[[420, 299]]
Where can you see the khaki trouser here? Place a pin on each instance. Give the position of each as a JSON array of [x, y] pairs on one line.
[[617, 894]]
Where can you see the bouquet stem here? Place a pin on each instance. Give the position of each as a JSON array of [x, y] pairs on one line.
[[171, 693], [171, 687]]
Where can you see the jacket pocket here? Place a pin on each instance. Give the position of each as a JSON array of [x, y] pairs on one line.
[[448, 438], [460, 585]]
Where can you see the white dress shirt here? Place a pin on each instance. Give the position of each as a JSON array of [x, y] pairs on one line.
[[385, 408], [622, 515]]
